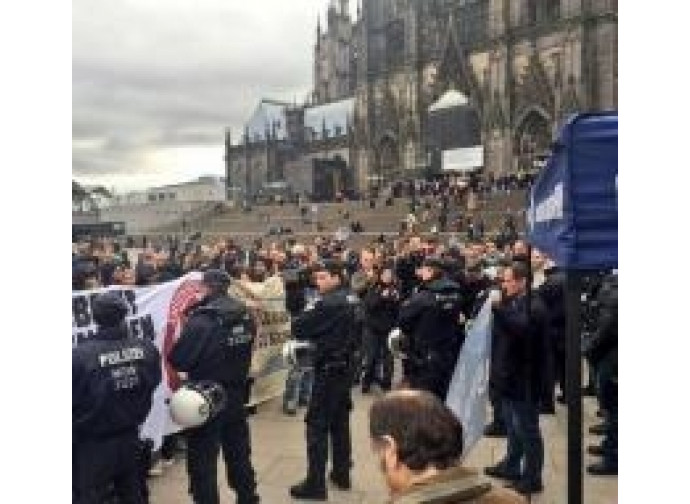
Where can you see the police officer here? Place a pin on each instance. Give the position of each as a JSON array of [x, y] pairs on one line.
[[216, 345], [330, 326], [431, 319], [113, 379]]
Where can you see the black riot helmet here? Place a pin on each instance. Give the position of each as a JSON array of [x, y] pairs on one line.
[[216, 280], [109, 309]]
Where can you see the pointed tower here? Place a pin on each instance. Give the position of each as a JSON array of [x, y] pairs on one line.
[[318, 31], [344, 8]]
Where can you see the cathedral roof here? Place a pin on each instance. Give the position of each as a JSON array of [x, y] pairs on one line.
[[269, 115], [334, 116], [451, 98]]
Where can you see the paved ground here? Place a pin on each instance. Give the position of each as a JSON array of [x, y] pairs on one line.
[[279, 459]]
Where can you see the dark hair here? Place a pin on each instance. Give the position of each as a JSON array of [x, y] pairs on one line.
[[334, 267], [519, 269], [425, 431]]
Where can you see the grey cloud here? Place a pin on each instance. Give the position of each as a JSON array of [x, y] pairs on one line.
[[150, 74]]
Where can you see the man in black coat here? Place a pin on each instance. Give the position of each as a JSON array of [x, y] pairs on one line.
[[113, 379], [381, 304], [552, 294], [216, 345], [330, 325], [516, 374], [431, 320]]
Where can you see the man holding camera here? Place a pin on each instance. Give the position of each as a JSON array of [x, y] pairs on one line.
[[298, 294]]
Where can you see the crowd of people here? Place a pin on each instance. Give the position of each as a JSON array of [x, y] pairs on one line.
[[345, 303]]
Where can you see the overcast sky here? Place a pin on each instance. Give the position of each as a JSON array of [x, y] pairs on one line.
[[156, 82]]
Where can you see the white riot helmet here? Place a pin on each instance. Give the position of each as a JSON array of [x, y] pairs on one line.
[[397, 343], [196, 402], [298, 353]]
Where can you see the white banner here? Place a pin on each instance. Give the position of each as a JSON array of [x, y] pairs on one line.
[[463, 159], [469, 388], [157, 314], [267, 302]]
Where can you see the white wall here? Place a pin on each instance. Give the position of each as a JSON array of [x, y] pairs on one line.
[[205, 189], [145, 217]]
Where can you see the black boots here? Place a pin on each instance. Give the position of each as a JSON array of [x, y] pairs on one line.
[[499, 471], [309, 490], [495, 429], [341, 481], [603, 468], [524, 487], [599, 429]]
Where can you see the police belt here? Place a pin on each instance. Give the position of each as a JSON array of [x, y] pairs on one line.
[[428, 360], [104, 436], [338, 365]]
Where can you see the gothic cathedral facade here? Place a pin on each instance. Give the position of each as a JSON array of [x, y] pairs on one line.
[[524, 65]]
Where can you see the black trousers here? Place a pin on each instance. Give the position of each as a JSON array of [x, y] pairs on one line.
[[559, 368], [496, 407], [328, 416], [228, 431], [377, 356], [107, 468], [434, 381]]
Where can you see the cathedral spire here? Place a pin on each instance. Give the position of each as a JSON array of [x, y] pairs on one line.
[[318, 31]]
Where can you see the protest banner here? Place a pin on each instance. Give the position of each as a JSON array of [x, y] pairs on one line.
[[267, 302], [468, 391], [158, 313]]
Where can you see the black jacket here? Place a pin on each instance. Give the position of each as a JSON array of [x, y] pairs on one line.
[[113, 380], [603, 344], [430, 320], [552, 294], [216, 343], [405, 270], [296, 280], [331, 324], [475, 291], [517, 357], [381, 304]]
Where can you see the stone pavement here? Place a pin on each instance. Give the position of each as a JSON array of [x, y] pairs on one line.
[[279, 460]]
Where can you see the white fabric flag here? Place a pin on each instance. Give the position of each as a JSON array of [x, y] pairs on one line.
[[469, 388]]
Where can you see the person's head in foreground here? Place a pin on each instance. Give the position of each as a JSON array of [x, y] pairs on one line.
[[419, 442]]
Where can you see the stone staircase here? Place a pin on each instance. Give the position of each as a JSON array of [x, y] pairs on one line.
[[221, 221]]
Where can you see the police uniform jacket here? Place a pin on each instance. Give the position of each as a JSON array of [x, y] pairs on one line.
[[216, 343], [330, 323], [430, 318], [517, 360], [113, 380]]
